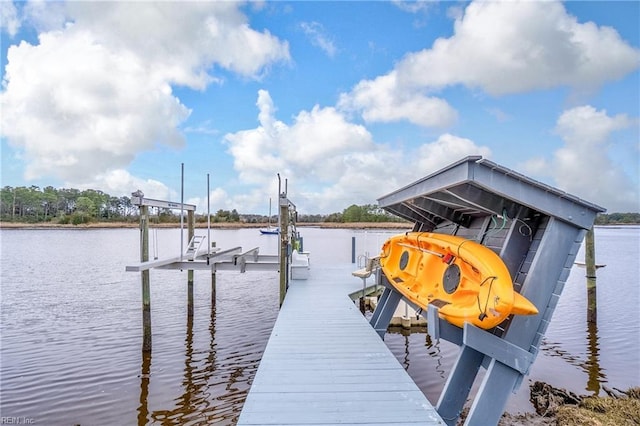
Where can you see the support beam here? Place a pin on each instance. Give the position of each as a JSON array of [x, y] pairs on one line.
[[384, 311], [146, 292], [190, 232], [284, 245], [590, 260], [456, 389]]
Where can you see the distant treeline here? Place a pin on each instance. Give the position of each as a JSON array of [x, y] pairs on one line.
[[618, 219], [33, 204]]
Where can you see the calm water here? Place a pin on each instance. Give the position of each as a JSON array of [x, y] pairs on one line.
[[71, 327]]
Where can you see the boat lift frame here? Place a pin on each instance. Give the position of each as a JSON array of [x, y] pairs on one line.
[[536, 229], [213, 259]]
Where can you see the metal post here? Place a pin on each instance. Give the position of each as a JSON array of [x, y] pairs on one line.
[[146, 293], [190, 224], [590, 260]]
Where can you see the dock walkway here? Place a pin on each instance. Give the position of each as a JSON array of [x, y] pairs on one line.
[[324, 364]]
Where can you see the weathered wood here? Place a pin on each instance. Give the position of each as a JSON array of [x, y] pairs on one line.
[[325, 365], [284, 245], [590, 260], [190, 233], [146, 293]]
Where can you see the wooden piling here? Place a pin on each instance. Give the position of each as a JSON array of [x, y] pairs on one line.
[[213, 281], [353, 249], [590, 261], [146, 292], [284, 245], [190, 233]]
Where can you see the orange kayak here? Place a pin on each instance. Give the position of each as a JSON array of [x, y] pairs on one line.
[[467, 281]]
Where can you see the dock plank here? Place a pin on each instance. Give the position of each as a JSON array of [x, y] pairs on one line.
[[325, 365]]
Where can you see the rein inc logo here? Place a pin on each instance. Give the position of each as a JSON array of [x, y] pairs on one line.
[[9, 420]]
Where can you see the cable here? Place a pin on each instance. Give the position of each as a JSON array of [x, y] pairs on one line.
[[483, 313], [524, 225]]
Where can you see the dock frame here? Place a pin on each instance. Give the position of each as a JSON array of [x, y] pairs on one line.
[[536, 229], [213, 259]]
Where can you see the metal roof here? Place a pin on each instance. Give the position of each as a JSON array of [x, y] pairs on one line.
[[475, 187]]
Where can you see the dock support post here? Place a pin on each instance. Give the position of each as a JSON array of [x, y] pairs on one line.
[[190, 232], [353, 249], [284, 244], [590, 260], [146, 293], [213, 279], [458, 385], [384, 310]]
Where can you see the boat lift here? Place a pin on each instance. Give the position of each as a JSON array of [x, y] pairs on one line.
[[536, 229], [213, 259]]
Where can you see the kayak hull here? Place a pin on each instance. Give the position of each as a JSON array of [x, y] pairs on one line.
[[467, 281]]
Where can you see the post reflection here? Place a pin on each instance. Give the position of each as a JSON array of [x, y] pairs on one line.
[[143, 409], [595, 375], [433, 349], [194, 400]]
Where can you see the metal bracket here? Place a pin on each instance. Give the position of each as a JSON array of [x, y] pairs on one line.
[[499, 349], [439, 328]]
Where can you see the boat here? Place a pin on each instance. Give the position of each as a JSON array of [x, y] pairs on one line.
[[270, 229], [467, 281]]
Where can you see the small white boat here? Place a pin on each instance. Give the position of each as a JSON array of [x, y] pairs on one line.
[[270, 229]]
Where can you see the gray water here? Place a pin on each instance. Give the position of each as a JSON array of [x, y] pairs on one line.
[[71, 330]]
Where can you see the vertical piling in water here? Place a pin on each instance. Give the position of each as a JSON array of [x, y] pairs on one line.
[[213, 280], [284, 244], [284, 227], [353, 249], [590, 261], [146, 293], [190, 232]]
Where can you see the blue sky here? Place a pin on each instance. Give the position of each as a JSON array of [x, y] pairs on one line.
[[346, 100]]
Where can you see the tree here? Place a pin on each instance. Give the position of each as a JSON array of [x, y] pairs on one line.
[[85, 210], [352, 213]]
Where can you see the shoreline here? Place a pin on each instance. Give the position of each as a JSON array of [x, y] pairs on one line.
[[217, 225], [234, 225]]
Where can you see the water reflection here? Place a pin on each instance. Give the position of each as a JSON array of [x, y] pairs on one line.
[[434, 352], [593, 362], [143, 409], [591, 365], [195, 398]]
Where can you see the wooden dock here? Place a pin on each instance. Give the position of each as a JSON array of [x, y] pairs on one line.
[[324, 364]]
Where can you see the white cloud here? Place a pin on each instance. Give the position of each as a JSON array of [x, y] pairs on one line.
[[413, 6], [77, 108], [97, 88], [219, 199], [122, 182], [316, 33], [583, 167], [445, 150], [512, 47], [385, 99], [331, 162], [500, 48], [311, 148], [9, 20]]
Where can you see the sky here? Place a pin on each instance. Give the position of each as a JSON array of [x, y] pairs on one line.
[[347, 101]]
